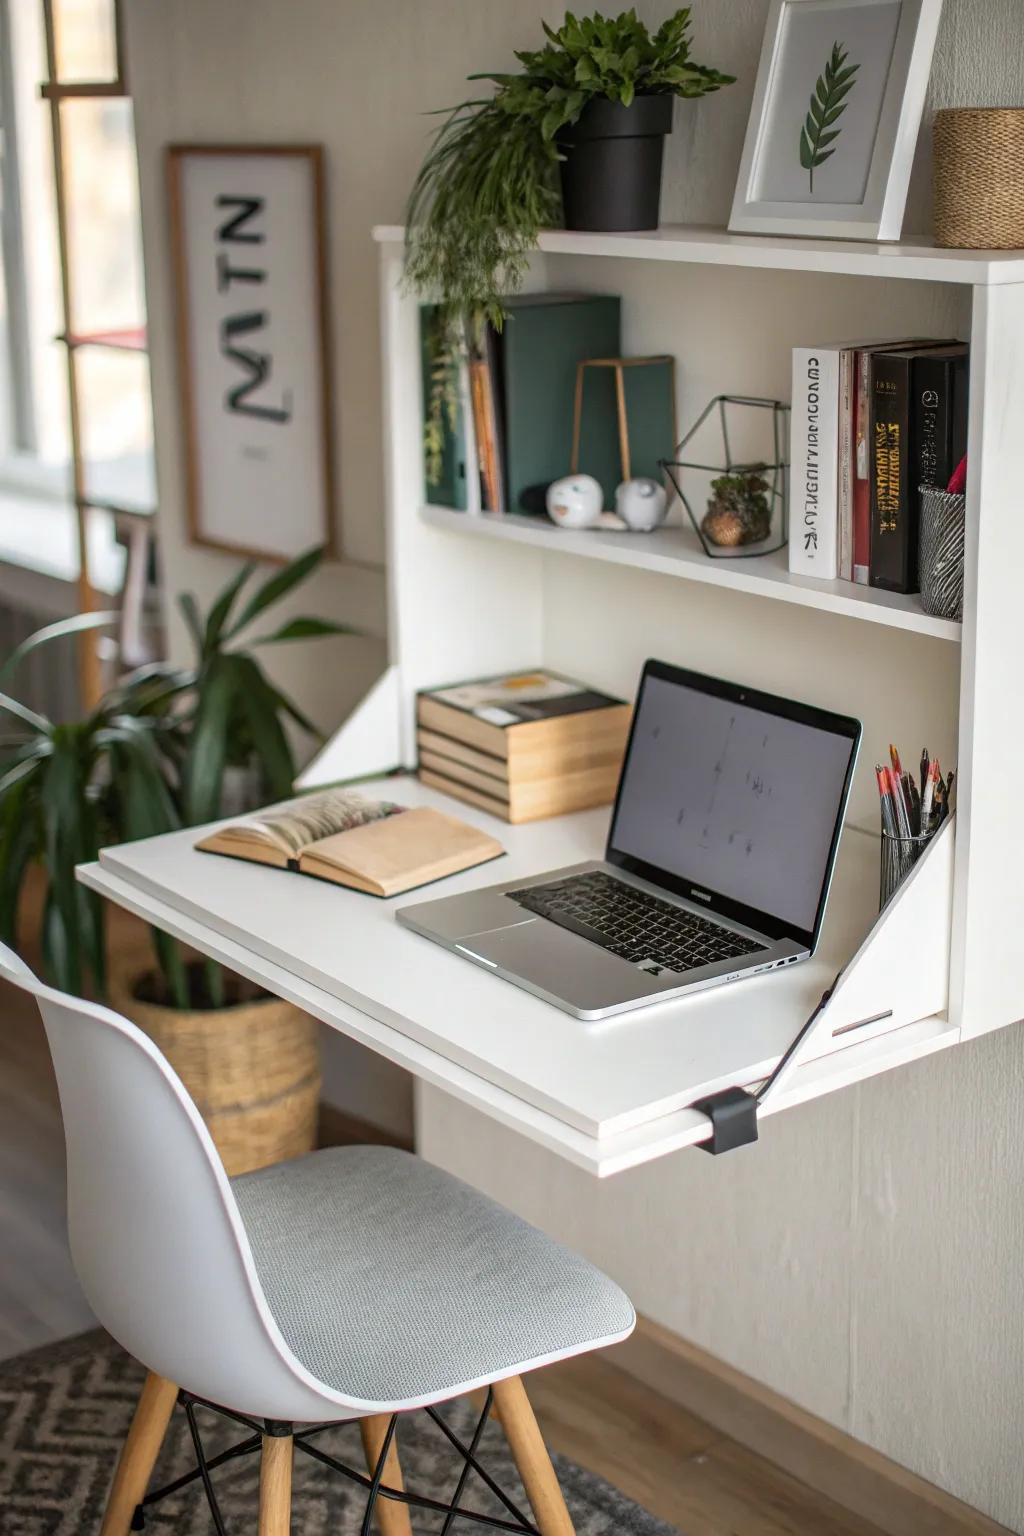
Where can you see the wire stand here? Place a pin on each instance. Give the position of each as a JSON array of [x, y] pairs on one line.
[[373, 1484]]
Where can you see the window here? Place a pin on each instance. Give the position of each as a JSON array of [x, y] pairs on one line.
[[95, 353]]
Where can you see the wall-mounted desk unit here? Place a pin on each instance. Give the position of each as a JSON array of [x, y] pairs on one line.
[[470, 595]]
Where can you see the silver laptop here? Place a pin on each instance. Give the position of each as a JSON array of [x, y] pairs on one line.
[[720, 854]]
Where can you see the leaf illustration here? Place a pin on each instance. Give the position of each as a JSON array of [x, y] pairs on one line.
[[828, 103]]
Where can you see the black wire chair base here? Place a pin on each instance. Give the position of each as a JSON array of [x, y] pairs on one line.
[[373, 1483]]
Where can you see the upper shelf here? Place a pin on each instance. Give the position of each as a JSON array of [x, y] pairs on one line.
[[676, 551], [785, 253]]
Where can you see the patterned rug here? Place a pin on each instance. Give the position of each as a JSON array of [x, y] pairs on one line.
[[65, 1410]]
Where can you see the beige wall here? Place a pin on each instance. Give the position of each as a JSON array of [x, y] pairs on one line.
[[865, 1258]]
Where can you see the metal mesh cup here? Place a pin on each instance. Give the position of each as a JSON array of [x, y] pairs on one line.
[[899, 855], [942, 553]]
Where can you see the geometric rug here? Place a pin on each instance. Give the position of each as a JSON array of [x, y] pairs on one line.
[[65, 1410]]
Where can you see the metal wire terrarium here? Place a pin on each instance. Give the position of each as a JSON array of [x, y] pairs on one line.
[[731, 473]]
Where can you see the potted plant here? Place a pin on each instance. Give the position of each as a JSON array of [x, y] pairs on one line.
[[577, 131], [153, 757]]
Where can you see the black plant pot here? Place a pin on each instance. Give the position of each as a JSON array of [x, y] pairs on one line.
[[611, 174]]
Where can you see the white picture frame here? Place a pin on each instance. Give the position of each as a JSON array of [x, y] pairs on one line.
[[869, 133], [248, 242]]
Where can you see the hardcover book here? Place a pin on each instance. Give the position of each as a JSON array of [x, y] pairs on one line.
[[814, 463], [524, 715], [911, 434], [893, 559], [939, 424], [372, 846]]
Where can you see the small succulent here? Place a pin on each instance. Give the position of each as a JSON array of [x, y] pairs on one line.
[[739, 511]]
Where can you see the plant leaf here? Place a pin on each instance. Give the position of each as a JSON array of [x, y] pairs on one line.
[[29, 716], [193, 620], [19, 845], [222, 608], [76, 625], [261, 710], [828, 103], [208, 744], [281, 582], [172, 967], [304, 628]]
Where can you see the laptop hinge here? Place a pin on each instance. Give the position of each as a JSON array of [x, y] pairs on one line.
[[733, 1116]]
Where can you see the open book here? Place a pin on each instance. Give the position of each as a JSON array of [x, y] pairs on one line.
[[369, 845]]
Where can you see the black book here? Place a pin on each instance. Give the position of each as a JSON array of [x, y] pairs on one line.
[[896, 453], [939, 423]]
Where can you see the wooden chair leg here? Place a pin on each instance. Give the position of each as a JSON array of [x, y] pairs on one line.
[[392, 1519], [138, 1456], [276, 1485], [531, 1457]]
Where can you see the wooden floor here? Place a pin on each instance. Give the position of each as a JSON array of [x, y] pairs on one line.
[[670, 1462]]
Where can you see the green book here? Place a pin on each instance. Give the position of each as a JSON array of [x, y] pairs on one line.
[[450, 487], [544, 338]]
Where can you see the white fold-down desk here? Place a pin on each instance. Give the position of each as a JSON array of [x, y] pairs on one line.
[[606, 1095]]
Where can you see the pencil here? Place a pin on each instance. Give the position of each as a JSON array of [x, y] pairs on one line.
[[885, 802]]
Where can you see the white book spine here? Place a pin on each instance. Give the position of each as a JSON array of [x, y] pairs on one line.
[[847, 363], [814, 463]]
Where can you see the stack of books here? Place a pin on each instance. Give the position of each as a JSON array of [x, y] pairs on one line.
[[872, 423], [522, 746]]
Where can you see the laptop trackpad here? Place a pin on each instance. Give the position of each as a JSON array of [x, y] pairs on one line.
[[583, 974]]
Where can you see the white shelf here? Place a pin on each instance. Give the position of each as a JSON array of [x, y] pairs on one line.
[[676, 551], [916, 260]]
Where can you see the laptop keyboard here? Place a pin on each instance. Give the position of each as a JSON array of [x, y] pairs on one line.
[[632, 924]]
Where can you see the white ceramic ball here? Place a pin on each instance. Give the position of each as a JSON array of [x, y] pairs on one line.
[[641, 504], [575, 501]]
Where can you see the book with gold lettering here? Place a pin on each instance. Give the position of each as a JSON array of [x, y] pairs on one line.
[[373, 846]]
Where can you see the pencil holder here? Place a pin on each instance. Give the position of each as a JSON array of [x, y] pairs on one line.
[[943, 523], [899, 855]]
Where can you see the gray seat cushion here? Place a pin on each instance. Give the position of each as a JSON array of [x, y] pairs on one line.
[[392, 1281]]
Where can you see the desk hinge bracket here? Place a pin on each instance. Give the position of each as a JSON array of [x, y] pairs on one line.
[[733, 1116]]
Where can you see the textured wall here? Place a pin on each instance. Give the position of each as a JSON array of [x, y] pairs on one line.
[[865, 1258]]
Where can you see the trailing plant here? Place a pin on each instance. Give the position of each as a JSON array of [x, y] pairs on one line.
[[489, 183], [150, 758]]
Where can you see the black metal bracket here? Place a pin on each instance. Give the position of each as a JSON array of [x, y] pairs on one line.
[[733, 1116]]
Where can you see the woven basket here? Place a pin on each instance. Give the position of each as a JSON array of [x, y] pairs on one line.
[[978, 171], [253, 1070]]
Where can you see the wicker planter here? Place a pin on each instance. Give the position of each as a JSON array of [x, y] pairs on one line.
[[979, 178], [253, 1070]]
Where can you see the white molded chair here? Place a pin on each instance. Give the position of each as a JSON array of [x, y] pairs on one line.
[[356, 1283]]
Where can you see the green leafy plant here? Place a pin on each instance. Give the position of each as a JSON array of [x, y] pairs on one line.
[[235, 715], [150, 758], [65, 790], [828, 103], [489, 183]]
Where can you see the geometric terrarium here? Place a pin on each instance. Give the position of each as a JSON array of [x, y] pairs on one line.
[[731, 473]]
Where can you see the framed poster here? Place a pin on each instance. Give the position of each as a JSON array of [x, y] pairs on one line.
[[834, 121], [247, 226]]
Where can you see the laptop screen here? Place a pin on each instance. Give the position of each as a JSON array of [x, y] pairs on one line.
[[734, 798]]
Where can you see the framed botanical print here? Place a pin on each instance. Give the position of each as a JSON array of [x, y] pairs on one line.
[[249, 249], [834, 121]]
